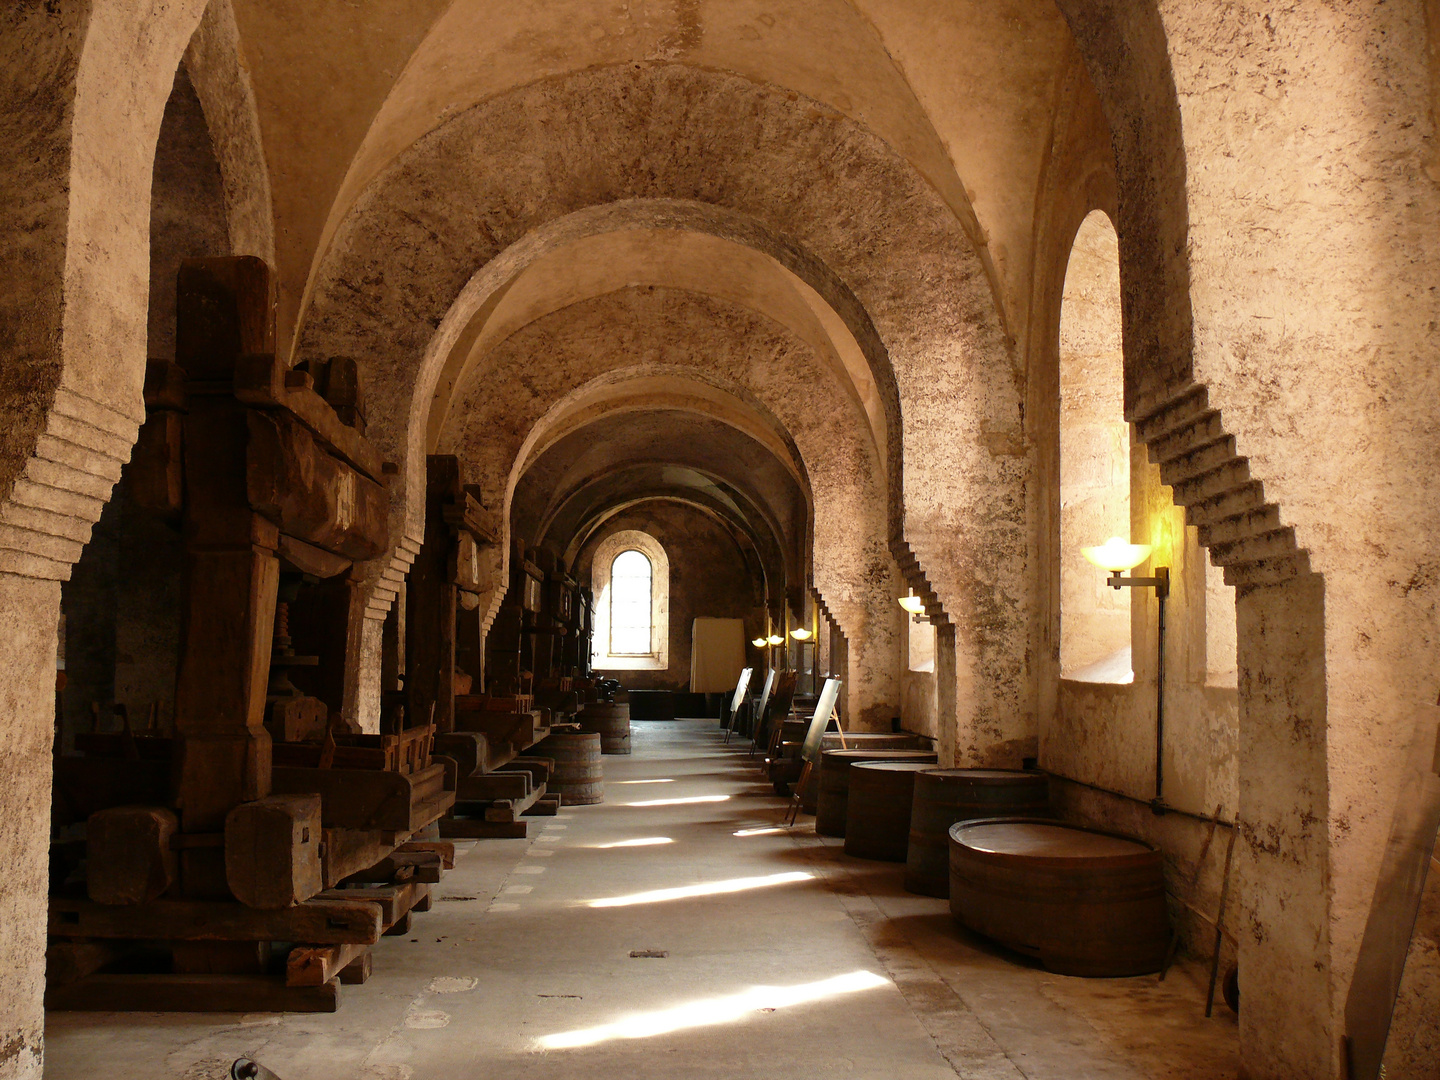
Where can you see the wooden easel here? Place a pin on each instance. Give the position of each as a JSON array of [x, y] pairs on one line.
[[810, 749]]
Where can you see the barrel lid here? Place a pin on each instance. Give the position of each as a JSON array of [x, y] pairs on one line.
[[1044, 840], [879, 754], [988, 776], [894, 766]]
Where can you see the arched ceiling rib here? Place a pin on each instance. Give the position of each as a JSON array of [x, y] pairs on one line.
[[700, 262], [963, 89]]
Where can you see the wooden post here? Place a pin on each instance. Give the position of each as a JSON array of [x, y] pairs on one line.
[[225, 310]]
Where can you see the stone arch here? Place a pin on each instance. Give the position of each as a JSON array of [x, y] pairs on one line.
[[813, 178], [703, 342], [83, 92]]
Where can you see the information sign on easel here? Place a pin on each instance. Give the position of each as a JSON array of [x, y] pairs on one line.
[[814, 735], [737, 700]]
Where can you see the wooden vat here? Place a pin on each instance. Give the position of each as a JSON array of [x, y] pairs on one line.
[[1081, 901], [834, 786], [577, 776], [611, 721], [945, 796], [860, 741], [877, 816]]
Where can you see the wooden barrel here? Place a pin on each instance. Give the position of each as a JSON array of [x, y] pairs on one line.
[[611, 721], [945, 796], [877, 815], [1081, 901], [577, 776], [865, 740], [831, 800]]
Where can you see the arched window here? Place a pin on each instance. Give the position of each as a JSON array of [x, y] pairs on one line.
[[631, 624], [1094, 457], [630, 576]]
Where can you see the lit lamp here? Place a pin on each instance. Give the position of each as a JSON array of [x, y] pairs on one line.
[[759, 642], [913, 604], [774, 639], [801, 634], [1116, 556]]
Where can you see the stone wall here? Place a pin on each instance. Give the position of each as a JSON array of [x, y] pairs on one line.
[[709, 577]]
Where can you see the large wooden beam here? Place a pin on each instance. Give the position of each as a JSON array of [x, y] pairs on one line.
[[321, 922]]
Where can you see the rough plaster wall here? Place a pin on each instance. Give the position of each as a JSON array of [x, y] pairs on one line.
[[708, 578], [82, 93], [215, 63], [1316, 342], [850, 209], [187, 207], [653, 330], [1094, 447], [1104, 734]]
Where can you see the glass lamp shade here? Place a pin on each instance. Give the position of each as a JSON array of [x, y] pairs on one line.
[[913, 604], [1116, 555], [776, 639], [759, 642], [801, 634]]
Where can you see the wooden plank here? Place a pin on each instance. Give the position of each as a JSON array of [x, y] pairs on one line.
[[192, 993], [367, 798], [387, 897], [444, 848], [358, 970], [306, 492], [478, 829], [260, 381], [495, 785], [315, 965], [511, 809], [424, 866], [549, 806], [348, 851], [321, 922]]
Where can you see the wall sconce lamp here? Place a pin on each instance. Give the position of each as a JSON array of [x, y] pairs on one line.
[[914, 605], [759, 642], [801, 634], [1116, 556], [775, 639]]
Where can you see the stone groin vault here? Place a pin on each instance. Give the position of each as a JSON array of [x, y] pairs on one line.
[[855, 299]]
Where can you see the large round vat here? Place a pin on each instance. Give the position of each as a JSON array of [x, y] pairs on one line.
[[945, 796], [1081, 901], [832, 800], [865, 740], [877, 815]]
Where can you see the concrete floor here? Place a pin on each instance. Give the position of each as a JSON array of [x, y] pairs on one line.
[[814, 965]]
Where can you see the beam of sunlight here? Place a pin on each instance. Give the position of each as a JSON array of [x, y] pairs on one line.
[[713, 888], [711, 1011], [665, 781], [680, 802], [766, 831], [643, 841]]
